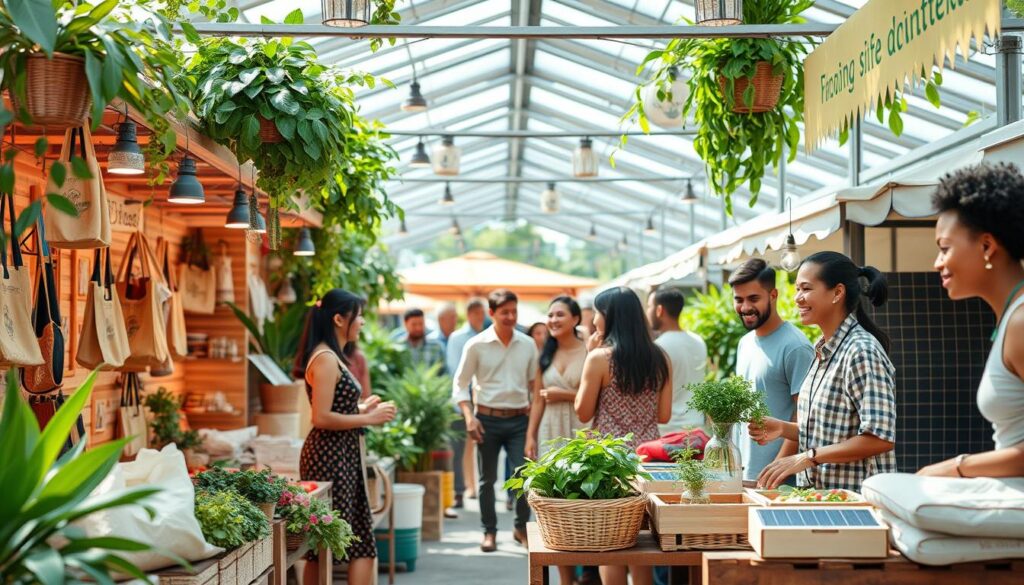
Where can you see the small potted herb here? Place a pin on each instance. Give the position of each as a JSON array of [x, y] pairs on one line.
[[165, 425], [726, 402], [692, 474], [228, 520], [584, 493]]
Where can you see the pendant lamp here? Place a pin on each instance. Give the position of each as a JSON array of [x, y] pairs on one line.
[[666, 111], [420, 159], [415, 102], [689, 197], [718, 12], [446, 157], [549, 200], [346, 13], [186, 188], [584, 159], [447, 199], [238, 217], [126, 158], [790, 260], [305, 247]]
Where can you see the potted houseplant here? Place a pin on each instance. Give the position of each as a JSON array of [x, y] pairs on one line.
[[63, 61], [322, 527], [262, 488], [278, 338], [584, 494], [293, 507], [395, 439], [165, 425], [229, 520], [44, 493], [726, 402]]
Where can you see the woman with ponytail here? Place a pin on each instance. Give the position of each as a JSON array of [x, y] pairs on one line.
[[333, 451], [846, 421]]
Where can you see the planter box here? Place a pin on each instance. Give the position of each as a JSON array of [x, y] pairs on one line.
[[228, 565], [679, 525], [243, 571], [767, 498], [203, 573], [433, 511], [813, 532]]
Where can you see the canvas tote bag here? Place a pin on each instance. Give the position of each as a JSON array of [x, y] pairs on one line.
[[131, 417], [104, 342], [18, 345], [225, 275], [142, 297], [91, 229], [197, 282], [177, 337], [47, 324]]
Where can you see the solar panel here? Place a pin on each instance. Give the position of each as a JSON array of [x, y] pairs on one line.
[[664, 475], [817, 518]]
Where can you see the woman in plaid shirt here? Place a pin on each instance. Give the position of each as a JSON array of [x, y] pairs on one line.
[[846, 421]]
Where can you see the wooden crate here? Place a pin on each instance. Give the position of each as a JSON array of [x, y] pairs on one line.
[[244, 565], [818, 540], [263, 555], [679, 525], [228, 564], [203, 573], [433, 511], [767, 498], [746, 568], [664, 479]]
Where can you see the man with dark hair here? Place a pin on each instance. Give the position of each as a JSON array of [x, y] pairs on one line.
[[422, 350], [687, 352], [500, 363], [774, 356]]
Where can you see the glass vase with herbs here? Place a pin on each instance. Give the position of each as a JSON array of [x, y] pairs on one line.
[[726, 403]]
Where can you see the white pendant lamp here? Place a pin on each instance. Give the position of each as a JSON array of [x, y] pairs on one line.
[[584, 159], [446, 157]]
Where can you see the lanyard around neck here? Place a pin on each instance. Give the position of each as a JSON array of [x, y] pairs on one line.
[[1006, 307]]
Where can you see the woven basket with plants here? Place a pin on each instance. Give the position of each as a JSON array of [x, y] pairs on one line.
[[583, 493]]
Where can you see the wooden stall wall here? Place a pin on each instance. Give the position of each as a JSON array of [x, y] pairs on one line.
[[201, 376]]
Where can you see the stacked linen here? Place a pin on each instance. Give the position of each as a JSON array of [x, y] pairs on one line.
[[941, 521]]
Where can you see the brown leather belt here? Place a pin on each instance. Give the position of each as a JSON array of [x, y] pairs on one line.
[[502, 412]]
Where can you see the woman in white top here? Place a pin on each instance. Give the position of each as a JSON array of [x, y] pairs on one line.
[[980, 235]]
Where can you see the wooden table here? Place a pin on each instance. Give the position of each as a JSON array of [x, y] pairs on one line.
[[746, 568], [646, 554]]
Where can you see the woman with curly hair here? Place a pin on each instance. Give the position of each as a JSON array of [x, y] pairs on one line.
[[980, 236]]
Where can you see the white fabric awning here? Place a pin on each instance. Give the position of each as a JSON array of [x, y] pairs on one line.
[[677, 266]]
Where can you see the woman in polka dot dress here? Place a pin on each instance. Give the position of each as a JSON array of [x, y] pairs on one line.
[[333, 451]]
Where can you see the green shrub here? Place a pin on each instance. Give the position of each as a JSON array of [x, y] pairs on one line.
[[228, 520]]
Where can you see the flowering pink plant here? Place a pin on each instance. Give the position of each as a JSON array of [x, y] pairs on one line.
[[324, 527]]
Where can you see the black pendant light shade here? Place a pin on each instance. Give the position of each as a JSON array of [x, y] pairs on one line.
[[238, 217], [415, 102], [305, 247], [186, 188], [126, 158], [448, 199], [420, 158], [690, 196]]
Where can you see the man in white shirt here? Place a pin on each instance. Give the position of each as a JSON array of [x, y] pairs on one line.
[[500, 363], [687, 352], [464, 453]]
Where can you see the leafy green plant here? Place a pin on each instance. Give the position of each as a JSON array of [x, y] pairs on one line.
[[324, 527], [165, 423], [45, 492], [586, 467], [388, 359], [259, 487], [279, 337], [129, 55], [395, 439], [228, 520], [216, 479], [425, 395], [728, 401], [1016, 6], [692, 474]]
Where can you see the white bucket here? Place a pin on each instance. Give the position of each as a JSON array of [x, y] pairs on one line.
[[408, 503]]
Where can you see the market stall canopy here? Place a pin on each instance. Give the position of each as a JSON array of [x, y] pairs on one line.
[[478, 273], [676, 267]]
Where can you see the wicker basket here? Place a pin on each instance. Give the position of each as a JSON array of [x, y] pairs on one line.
[[294, 541], [268, 510], [767, 89], [269, 133], [676, 542], [56, 91], [589, 525]]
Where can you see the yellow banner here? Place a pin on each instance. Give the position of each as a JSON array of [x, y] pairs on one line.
[[882, 47]]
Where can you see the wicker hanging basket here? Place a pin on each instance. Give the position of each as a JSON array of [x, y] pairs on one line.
[[589, 525], [294, 541], [269, 134], [767, 89], [56, 91]]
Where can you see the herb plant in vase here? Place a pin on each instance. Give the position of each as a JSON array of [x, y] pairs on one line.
[[693, 475], [726, 402], [584, 494]]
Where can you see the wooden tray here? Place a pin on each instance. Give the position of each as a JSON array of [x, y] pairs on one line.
[[722, 524], [767, 498]]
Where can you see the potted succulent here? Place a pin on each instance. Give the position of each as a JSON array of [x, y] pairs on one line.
[[63, 61], [584, 493], [726, 402]]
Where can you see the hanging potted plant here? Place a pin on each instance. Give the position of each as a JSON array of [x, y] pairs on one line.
[[63, 62], [584, 493]]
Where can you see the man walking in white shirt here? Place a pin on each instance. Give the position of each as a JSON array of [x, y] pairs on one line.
[[500, 363]]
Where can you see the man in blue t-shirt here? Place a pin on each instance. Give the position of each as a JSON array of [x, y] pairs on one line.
[[775, 356]]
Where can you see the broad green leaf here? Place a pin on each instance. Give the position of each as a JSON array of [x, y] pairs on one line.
[[62, 204], [251, 132], [286, 126], [294, 17], [107, 542], [94, 73], [285, 102], [57, 430], [249, 75], [37, 20], [42, 145], [895, 123], [80, 168], [7, 178], [931, 91], [46, 565], [28, 217], [76, 480], [275, 75]]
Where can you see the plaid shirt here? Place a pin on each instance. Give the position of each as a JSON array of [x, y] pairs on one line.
[[847, 392], [429, 352]]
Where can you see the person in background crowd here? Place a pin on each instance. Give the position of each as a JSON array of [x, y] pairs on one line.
[[587, 319], [422, 349], [687, 352], [774, 356], [981, 247], [846, 413], [357, 363], [501, 364], [539, 333], [626, 387], [447, 320], [465, 452], [333, 451], [552, 415]]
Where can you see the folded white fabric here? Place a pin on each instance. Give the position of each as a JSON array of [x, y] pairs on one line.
[[985, 507], [934, 548], [226, 444]]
